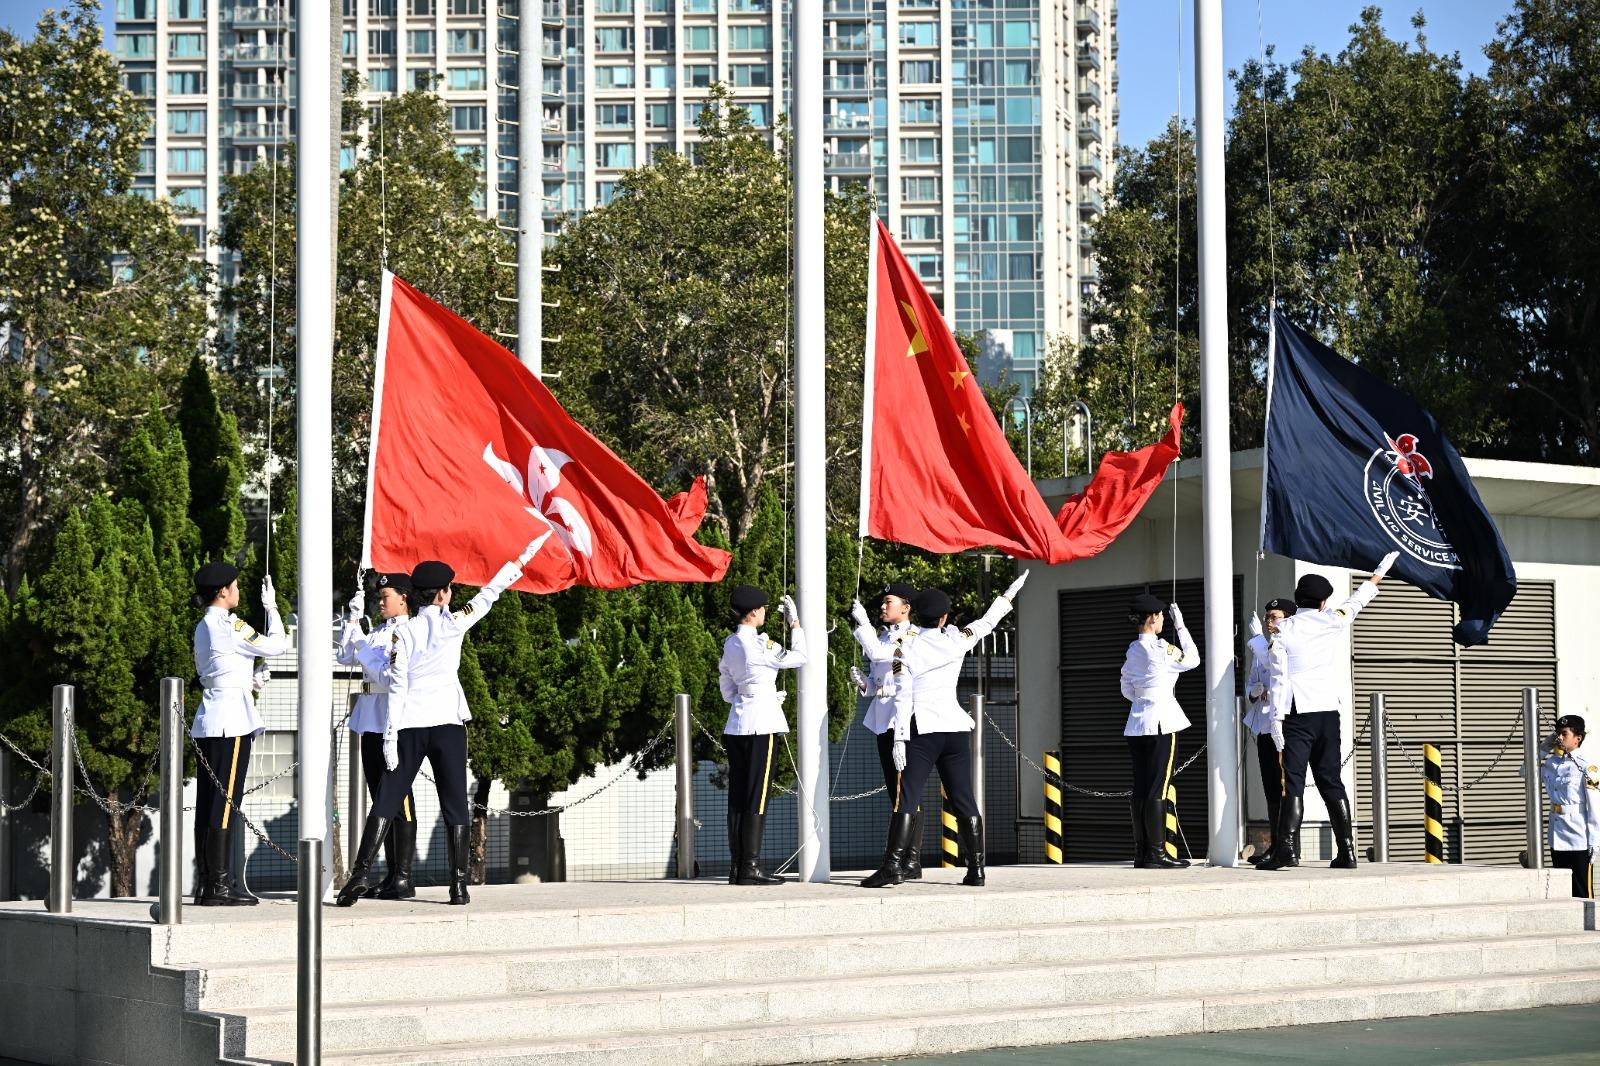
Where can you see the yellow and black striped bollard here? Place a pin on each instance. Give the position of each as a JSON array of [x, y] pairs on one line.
[[950, 839], [1053, 841], [1434, 822], [1170, 802]]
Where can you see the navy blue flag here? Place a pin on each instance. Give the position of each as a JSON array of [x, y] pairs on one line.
[[1357, 469]]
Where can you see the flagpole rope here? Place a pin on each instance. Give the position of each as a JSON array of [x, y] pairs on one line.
[[1266, 150], [278, 119], [1177, 273]]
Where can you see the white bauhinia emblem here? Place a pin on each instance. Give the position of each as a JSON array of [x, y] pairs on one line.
[[544, 476]]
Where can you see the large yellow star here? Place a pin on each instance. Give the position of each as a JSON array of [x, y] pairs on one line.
[[966, 427], [959, 376], [919, 343]]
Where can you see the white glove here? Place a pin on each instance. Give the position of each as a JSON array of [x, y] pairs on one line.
[[356, 607], [1177, 615], [1254, 625], [859, 680], [260, 674], [1277, 734], [783, 694], [858, 615], [899, 756], [1256, 692], [788, 611], [1016, 586], [532, 549], [269, 595], [1382, 569], [391, 751]]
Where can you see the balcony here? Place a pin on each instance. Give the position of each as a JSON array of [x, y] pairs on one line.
[[846, 83], [1085, 236], [257, 94], [853, 45], [848, 161], [551, 12], [253, 16], [1088, 129], [1089, 163], [550, 51], [845, 7], [1090, 201], [253, 131], [847, 122], [257, 53], [1088, 92], [1089, 58], [1088, 18]]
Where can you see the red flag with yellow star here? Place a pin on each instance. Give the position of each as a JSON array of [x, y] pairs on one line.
[[936, 470]]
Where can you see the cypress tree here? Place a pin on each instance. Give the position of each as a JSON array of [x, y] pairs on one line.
[[216, 465]]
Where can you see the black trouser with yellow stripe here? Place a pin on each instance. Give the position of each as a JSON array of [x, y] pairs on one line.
[[750, 761], [1152, 765], [1582, 870], [229, 759], [372, 769]]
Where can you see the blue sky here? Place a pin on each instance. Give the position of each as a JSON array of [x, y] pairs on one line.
[[1148, 33]]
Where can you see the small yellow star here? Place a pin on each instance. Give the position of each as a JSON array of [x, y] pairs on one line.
[[961, 418], [919, 343], [958, 376]]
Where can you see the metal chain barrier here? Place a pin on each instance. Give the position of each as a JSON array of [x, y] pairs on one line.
[[39, 775], [790, 791], [1361, 735], [111, 807], [1057, 779], [1505, 746]]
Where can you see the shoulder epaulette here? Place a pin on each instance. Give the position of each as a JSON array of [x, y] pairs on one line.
[[1174, 651], [966, 631]]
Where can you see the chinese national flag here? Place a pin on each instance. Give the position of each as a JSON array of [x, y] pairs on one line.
[[936, 470], [472, 457]]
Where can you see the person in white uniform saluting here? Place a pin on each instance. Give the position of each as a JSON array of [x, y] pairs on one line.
[[1149, 675], [930, 727], [371, 652], [1571, 777], [427, 716], [226, 650], [878, 685], [1308, 675], [748, 677], [1258, 717]]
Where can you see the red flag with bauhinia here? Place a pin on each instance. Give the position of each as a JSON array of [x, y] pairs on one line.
[[472, 457], [936, 470]]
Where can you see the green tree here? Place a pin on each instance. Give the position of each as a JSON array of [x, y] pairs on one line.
[[101, 290], [216, 471]]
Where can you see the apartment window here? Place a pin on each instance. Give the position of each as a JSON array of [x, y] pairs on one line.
[[760, 114], [420, 7], [186, 46], [466, 43], [750, 38], [419, 42], [420, 79], [692, 113], [740, 7], [658, 38], [926, 266], [139, 82], [614, 116], [136, 46], [1022, 72], [919, 72], [1022, 150], [919, 227], [190, 201], [1022, 110], [659, 77], [136, 9], [1022, 35], [612, 39], [972, 35], [186, 82], [1022, 266], [699, 75], [605, 192], [919, 149], [466, 7], [186, 9], [614, 77], [467, 119], [381, 9], [658, 116], [186, 121], [1021, 228], [147, 161], [615, 7], [919, 190], [751, 75], [145, 192], [186, 160], [700, 7], [380, 42], [466, 78], [347, 43], [700, 38], [381, 79], [617, 154], [919, 34], [919, 112], [1020, 190]]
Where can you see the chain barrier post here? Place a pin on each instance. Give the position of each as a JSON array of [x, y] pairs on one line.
[[5, 825], [59, 899], [355, 802], [1379, 781], [1434, 803], [1052, 808], [685, 765], [949, 836], [170, 910], [1170, 812], [1533, 805], [977, 759]]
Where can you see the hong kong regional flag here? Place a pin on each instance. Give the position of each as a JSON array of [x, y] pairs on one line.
[[472, 457], [936, 471]]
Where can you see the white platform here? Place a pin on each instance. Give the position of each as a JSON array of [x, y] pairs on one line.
[[675, 972]]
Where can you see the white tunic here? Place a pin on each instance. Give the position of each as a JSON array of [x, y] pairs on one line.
[[1258, 717], [1149, 674], [928, 666], [370, 651], [1309, 664], [748, 676], [880, 677], [425, 663], [225, 651], [1572, 781]]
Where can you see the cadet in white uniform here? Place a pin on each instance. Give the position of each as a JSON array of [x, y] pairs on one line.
[[1258, 717], [930, 726], [1571, 778], [1149, 674], [1307, 677], [427, 716], [226, 649], [371, 652], [878, 685], [748, 677]]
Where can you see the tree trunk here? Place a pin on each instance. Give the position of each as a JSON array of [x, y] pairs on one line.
[[122, 830], [30, 488], [480, 832]]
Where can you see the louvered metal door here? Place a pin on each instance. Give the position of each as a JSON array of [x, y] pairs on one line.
[[1468, 702]]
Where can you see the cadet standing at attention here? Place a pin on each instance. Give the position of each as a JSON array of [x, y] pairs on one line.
[[1258, 719], [748, 677], [1308, 674], [427, 716], [879, 687], [225, 652], [1149, 674], [371, 652], [1572, 781]]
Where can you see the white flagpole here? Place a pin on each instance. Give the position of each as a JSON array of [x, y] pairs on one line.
[[811, 454], [868, 363], [1222, 719]]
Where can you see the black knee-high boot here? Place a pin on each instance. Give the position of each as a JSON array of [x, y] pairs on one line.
[[1273, 803], [401, 848], [1155, 838], [218, 889], [911, 867], [1344, 835], [457, 836], [970, 830], [359, 883], [891, 870], [1140, 850], [735, 845], [751, 827], [1285, 851]]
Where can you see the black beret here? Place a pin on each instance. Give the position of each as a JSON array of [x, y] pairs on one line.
[[746, 598], [432, 574], [900, 589], [1573, 722], [215, 575], [400, 582], [1280, 603], [1312, 590], [931, 603], [1146, 604]]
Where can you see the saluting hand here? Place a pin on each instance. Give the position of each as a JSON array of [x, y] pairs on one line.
[[1016, 586], [532, 549], [1382, 569]]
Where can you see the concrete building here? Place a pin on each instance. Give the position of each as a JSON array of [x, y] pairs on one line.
[[986, 130], [1072, 635]]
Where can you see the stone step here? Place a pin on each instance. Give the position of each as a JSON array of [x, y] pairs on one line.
[[269, 1032], [534, 917], [386, 976], [950, 1031]]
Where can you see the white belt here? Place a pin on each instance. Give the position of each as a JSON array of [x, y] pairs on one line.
[[224, 688], [751, 690], [372, 688]]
